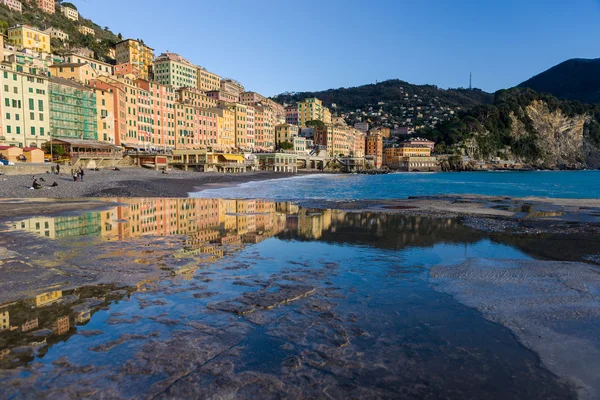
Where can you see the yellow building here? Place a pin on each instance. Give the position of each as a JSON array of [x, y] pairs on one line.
[[208, 81], [24, 108], [100, 67], [47, 298], [4, 320], [284, 133], [27, 37], [80, 72], [86, 30], [241, 130], [312, 109], [136, 53], [105, 105], [225, 128], [404, 156]]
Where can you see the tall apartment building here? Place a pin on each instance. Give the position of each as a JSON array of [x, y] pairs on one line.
[[80, 72], [172, 69], [291, 115], [119, 106], [135, 53], [264, 128], [206, 80], [196, 127], [69, 12], [14, 5], [312, 109], [24, 113], [223, 96], [47, 6], [72, 110], [28, 37], [226, 127], [156, 114], [250, 129], [358, 145], [105, 114], [374, 150]]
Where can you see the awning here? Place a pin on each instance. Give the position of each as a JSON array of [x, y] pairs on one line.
[[232, 157]]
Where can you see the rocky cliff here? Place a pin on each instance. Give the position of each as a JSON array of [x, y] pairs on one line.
[[534, 130]]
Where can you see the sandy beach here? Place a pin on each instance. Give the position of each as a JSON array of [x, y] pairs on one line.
[[128, 182]]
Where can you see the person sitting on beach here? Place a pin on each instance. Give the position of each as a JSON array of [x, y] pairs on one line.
[[54, 184], [75, 176], [116, 169], [35, 184]]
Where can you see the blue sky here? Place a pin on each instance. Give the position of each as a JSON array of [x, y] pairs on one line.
[[273, 46]]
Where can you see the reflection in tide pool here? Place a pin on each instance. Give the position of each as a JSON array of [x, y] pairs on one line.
[[290, 302]]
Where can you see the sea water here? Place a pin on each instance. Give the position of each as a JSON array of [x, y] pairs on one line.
[[552, 184]]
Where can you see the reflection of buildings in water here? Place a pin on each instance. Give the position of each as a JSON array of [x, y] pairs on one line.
[[47, 298], [62, 325], [30, 325], [83, 316], [4, 320], [4, 353]]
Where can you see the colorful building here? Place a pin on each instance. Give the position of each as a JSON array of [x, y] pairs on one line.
[[285, 133], [14, 5], [47, 6], [174, 70], [24, 109], [291, 115], [225, 128], [195, 97], [69, 12], [264, 128], [250, 98], [250, 129], [196, 127], [374, 150], [100, 67], [72, 110], [207, 81], [80, 72], [57, 34], [85, 30], [232, 86], [156, 115], [119, 106], [136, 54], [223, 96], [28, 37], [105, 112], [312, 109]]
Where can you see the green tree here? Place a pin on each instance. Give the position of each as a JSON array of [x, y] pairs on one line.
[[285, 145], [315, 123]]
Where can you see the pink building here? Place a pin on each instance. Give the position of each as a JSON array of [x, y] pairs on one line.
[[156, 115], [223, 96], [46, 6], [14, 5], [125, 69], [196, 127], [291, 115]]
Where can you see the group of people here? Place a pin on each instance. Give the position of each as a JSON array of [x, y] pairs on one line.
[[78, 174], [36, 185]]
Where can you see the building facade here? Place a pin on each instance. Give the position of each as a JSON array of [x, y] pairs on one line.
[[285, 133], [312, 109], [85, 30], [69, 12], [101, 68], [24, 112], [14, 5], [206, 80], [47, 6], [136, 54], [174, 70], [72, 110], [105, 114], [28, 37], [374, 150], [57, 33]]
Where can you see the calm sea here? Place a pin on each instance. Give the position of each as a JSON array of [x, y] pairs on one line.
[[554, 184]]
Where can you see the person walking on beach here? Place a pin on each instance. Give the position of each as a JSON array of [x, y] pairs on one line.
[[75, 175], [57, 169], [81, 173]]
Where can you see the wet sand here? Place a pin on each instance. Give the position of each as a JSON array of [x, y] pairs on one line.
[[129, 182]]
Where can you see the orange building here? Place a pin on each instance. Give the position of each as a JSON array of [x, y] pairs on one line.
[[374, 150]]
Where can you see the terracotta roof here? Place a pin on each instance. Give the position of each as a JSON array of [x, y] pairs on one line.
[[32, 148]]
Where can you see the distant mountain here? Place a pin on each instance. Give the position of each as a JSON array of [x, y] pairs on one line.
[[576, 79], [395, 102]]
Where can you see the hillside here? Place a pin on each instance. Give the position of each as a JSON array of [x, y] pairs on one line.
[[394, 102], [35, 17], [576, 79], [534, 129]]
